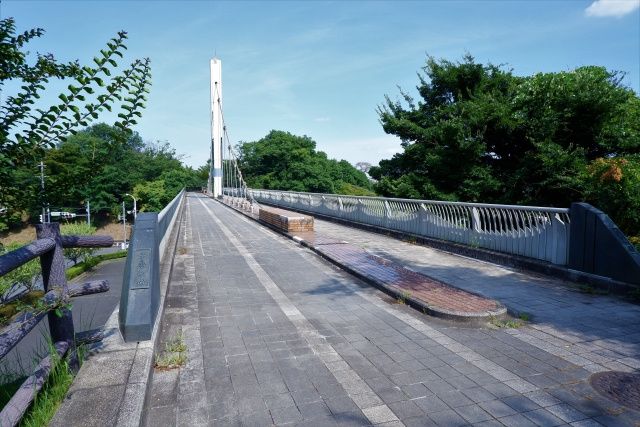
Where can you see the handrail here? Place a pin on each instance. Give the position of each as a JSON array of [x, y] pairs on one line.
[[434, 202], [530, 231], [14, 259]]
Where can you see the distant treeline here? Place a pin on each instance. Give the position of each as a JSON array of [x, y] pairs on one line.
[[96, 166], [284, 161]]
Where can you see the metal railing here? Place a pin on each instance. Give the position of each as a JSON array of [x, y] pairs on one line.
[[54, 304], [529, 231]]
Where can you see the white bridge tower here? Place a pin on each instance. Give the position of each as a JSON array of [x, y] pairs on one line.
[[214, 186]]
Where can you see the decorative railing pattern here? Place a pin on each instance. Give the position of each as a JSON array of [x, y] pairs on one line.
[[49, 248], [529, 231]]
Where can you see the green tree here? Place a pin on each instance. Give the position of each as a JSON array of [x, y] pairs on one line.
[[478, 133], [284, 161], [152, 195]]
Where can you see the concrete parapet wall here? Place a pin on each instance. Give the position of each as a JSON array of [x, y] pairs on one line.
[[597, 246]]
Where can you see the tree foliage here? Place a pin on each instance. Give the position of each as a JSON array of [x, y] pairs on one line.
[[284, 161], [479, 133], [96, 166], [28, 130]]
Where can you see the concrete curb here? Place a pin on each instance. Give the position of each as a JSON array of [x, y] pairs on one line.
[[458, 317]]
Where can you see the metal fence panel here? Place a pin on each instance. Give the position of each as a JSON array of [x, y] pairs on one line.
[[531, 231]]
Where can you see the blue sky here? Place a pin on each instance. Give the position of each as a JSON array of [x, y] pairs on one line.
[[321, 68]]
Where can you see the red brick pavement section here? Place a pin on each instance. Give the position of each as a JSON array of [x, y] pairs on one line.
[[434, 293]]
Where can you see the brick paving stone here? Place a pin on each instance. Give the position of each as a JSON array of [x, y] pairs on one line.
[[497, 408], [285, 415], [542, 417], [430, 404], [473, 413], [448, 418], [517, 420], [566, 412], [405, 409], [415, 390], [379, 414]]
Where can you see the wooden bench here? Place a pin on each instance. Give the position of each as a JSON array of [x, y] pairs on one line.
[[285, 220]]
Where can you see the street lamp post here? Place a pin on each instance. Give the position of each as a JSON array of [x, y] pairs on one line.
[[135, 202], [124, 226]]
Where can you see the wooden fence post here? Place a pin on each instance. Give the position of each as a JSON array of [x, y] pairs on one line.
[[53, 276]]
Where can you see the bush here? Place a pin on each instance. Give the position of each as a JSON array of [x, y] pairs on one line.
[[77, 229], [92, 261]]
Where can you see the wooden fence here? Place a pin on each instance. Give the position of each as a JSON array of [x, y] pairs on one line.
[[55, 304]]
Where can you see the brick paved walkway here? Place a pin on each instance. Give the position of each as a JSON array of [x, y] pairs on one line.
[[276, 335], [435, 294]]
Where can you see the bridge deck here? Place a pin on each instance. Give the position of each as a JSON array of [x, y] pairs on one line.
[[275, 335]]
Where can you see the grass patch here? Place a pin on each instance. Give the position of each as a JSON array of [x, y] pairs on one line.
[[410, 239], [174, 355], [81, 267], [511, 323], [46, 403], [53, 392], [402, 298]]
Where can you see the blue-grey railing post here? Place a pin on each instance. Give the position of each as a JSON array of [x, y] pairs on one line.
[[141, 287], [53, 276], [387, 213]]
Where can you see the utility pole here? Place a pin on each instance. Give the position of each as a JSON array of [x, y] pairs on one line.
[[89, 213]]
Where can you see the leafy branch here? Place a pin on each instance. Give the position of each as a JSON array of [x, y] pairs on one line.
[[36, 129]]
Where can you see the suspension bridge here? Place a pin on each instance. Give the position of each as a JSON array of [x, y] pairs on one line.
[[315, 309]]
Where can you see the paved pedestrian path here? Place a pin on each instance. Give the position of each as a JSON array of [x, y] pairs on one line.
[[276, 335]]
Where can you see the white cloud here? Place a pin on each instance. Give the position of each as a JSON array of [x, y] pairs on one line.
[[617, 8], [322, 119]]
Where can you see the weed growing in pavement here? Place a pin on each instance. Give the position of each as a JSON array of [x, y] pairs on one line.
[[411, 239], [524, 316], [402, 298], [588, 289], [511, 323], [174, 355]]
